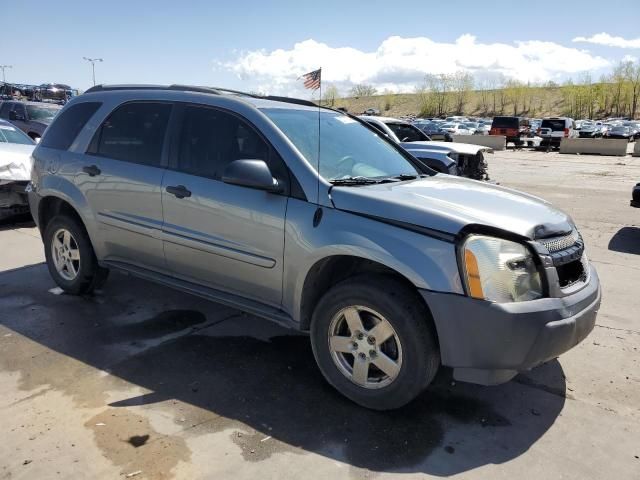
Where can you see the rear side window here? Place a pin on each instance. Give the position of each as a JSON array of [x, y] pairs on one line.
[[134, 132], [555, 125], [66, 127]]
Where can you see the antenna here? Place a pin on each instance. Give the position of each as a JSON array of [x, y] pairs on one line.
[[319, 108]]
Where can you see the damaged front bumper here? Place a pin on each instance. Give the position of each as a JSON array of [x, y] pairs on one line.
[[13, 198]]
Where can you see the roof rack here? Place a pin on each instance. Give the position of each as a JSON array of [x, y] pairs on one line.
[[197, 89]]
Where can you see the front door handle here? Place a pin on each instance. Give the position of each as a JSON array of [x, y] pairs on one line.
[[92, 170], [180, 191]]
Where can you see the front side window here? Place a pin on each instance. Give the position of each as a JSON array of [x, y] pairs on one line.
[[134, 132], [210, 139], [347, 148]]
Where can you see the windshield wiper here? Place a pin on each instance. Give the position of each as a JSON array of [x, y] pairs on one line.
[[405, 176], [355, 181]]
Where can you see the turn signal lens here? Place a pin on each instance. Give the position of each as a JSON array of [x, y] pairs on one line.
[[473, 275]]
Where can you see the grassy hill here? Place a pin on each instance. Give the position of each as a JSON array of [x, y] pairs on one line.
[[535, 102]]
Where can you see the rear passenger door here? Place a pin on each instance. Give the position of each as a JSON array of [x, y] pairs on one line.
[[121, 177], [223, 236]]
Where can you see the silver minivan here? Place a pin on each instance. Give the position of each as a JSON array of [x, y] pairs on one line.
[[311, 218]]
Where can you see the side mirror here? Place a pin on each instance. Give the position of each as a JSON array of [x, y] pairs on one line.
[[251, 174]]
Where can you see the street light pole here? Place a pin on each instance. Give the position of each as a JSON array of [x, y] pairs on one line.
[[4, 67], [93, 66]]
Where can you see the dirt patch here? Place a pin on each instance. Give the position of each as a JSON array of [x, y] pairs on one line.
[[130, 442]]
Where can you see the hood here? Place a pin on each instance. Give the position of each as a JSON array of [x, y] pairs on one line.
[[448, 204], [463, 148], [15, 161]]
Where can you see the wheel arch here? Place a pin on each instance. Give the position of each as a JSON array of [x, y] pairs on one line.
[[333, 269]]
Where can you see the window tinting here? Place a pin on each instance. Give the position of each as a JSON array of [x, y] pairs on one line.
[[65, 128], [134, 133], [210, 139]]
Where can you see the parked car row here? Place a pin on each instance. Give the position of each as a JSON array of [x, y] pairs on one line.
[[46, 92]]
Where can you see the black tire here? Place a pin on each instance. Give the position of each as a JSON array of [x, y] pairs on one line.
[[90, 275], [412, 323]]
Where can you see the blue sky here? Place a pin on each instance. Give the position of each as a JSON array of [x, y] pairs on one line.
[[265, 45]]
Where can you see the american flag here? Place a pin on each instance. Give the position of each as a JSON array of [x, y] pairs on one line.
[[312, 79]]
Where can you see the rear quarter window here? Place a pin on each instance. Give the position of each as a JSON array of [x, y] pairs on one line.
[[67, 125]]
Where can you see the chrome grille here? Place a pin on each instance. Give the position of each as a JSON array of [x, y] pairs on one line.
[[556, 244]]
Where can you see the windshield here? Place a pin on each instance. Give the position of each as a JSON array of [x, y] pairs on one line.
[[9, 134], [347, 148], [406, 132], [41, 113]]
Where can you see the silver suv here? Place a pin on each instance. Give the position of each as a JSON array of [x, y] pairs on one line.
[[392, 268]]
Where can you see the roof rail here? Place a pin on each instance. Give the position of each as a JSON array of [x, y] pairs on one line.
[[237, 92], [197, 89], [107, 88], [297, 101], [182, 88], [194, 88]]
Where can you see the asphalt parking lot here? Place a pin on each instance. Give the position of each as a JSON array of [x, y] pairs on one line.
[[140, 381]]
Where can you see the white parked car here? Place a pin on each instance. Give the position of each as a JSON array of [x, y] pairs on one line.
[[15, 169], [457, 129]]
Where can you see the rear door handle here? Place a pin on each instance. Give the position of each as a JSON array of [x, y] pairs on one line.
[[92, 170], [180, 191]]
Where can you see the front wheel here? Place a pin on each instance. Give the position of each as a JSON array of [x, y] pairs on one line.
[[70, 257], [373, 341]]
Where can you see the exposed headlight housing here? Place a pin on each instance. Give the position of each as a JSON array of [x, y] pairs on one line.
[[499, 270]]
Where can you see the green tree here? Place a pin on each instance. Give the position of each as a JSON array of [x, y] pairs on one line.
[[331, 94], [363, 90]]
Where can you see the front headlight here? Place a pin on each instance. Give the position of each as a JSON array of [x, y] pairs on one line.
[[499, 270]]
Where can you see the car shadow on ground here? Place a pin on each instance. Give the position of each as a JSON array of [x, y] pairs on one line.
[[626, 240], [17, 221], [272, 384]]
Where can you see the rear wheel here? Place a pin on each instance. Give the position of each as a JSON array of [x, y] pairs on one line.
[[373, 341], [70, 257]]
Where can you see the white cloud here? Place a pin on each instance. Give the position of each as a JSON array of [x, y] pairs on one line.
[[401, 63], [609, 40]]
